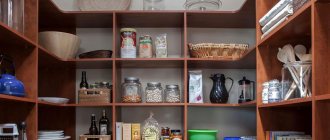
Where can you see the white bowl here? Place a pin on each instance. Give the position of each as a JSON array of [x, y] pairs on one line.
[[103, 5], [63, 45], [55, 100]]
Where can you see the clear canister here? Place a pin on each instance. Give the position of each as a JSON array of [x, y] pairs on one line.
[[154, 92], [172, 94], [131, 90]]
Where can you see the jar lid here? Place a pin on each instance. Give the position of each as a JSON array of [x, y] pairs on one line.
[[173, 131], [154, 84], [129, 79], [172, 86], [244, 81], [127, 30]]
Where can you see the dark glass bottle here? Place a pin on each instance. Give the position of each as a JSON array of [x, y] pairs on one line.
[[104, 124], [83, 83], [93, 129]]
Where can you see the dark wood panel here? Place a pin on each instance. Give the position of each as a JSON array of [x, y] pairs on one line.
[[242, 18], [54, 118], [289, 103], [150, 63], [31, 19], [11, 38], [322, 125]]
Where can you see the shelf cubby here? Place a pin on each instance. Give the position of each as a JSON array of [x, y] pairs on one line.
[[292, 102], [17, 112], [224, 120], [322, 114]]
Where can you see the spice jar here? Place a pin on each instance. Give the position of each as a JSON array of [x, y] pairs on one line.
[[176, 135], [154, 92], [265, 93], [145, 47], [131, 90], [172, 94], [128, 43]]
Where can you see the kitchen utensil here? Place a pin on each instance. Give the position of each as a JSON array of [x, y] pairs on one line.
[[300, 49], [55, 100], [9, 131], [153, 5], [219, 93], [23, 131], [282, 56], [11, 86], [203, 5], [103, 5], [202, 134], [246, 90], [97, 54], [289, 52], [63, 45]]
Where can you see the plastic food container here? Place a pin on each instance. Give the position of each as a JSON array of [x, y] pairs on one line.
[[202, 134], [231, 138]]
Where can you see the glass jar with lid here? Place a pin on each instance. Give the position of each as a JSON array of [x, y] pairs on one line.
[[172, 94], [274, 94], [154, 92], [131, 90]]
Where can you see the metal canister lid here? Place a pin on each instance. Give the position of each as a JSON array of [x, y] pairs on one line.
[[131, 79], [172, 86], [127, 30], [154, 84]]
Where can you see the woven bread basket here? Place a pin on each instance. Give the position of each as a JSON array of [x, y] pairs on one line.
[[217, 51]]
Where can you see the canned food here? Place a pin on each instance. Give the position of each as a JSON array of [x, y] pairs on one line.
[[145, 49], [128, 43]]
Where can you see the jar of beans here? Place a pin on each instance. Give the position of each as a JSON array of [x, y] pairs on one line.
[[154, 92], [172, 94], [131, 90]]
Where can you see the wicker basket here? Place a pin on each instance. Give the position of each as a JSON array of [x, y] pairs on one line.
[[99, 137], [97, 54], [103, 96], [103, 5], [217, 51]]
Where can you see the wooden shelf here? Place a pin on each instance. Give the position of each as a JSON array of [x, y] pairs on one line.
[[289, 103], [16, 99], [49, 59], [11, 38], [149, 104], [244, 17], [322, 97], [75, 105], [297, 26], [248, 104], [248, 61], [150, 62]]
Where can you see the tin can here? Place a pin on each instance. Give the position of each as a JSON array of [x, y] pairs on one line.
[[128, 43], [265, 93], [274, 94], [145, 47]]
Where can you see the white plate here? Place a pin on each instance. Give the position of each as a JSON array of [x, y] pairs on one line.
[[65, 138], [50, 132], [51, 135], [55, 100]]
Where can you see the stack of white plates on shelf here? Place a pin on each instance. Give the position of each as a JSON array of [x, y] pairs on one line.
[[52, 135]]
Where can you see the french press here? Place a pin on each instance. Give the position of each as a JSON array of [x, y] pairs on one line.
[[246, 90]]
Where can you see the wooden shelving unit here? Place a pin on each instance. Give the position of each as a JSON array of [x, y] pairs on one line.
[[39, 69]]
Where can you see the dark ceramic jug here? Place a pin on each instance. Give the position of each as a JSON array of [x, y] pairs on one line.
[[219, 93]]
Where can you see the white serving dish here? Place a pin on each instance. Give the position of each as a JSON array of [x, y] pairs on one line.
[[55, 100], [64, 138], [103, 5], [63, 45]]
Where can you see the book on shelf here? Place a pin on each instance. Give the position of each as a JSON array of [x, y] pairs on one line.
[[295, 137], [127, 131], [119, 131], [136, 131]]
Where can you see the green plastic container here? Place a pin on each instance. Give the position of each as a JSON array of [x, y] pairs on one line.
[[202, 134]]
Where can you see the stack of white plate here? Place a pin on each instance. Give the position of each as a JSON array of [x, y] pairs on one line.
[[52, 135]]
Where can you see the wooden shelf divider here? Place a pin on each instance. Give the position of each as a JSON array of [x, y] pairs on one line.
[[16, 99]]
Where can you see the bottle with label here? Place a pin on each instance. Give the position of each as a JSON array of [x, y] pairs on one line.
[[104, 124], [176, 135], [93, 129], [83, 83]]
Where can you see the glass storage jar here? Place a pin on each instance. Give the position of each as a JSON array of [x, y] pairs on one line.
[[296, 80], [154, 92], [172, 94], [131, 90], [274, 93]]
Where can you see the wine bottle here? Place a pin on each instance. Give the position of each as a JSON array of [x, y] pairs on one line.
[[83, 83], [104, 124], [93, 129]]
